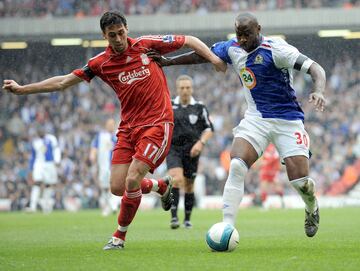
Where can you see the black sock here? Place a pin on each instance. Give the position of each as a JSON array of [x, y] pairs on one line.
[[174, 206], [189, 204]]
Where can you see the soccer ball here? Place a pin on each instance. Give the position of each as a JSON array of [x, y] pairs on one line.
[[222, 237]]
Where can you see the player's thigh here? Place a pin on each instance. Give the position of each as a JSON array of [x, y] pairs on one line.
[[251, 137], [290, 138], [297, 167], [152, 144], [292, 142], [118, 177], [178, 175]]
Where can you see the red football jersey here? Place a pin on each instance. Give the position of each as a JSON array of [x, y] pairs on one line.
[[138, 81]]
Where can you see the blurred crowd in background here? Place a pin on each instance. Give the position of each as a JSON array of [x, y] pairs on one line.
[[83, 8], [76, 114]]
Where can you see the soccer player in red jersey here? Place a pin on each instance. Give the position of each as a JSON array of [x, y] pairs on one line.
[[146, 126], [269, 171]]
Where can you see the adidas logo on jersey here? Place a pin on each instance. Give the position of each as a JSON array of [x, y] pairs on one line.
[[129, 77]]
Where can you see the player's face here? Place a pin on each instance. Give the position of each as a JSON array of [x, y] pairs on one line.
[[110, 125], [116, 35], [248, 35], [184, 90]]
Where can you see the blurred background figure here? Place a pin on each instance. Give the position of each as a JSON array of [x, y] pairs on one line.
[[269, 173], [192, 130], [45, 157], [100, 154]]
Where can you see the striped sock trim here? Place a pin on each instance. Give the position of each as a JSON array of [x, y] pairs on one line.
[[133, 194], [122, 229]]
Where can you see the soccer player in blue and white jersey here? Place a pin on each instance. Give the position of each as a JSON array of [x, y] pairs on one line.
[[265, 67], [101, 154], [45, 156]]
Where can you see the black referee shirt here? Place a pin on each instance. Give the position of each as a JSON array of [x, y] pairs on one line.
[[190, 122]]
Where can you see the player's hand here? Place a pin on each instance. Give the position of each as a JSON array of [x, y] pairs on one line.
[[196, 149], [12, 86], [318, 99], [220, 66], [158, 58]]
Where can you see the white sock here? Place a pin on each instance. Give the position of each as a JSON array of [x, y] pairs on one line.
[[115, 202], [234, 190], [306, 188], [34, 197], [48, 202], [155, 186]]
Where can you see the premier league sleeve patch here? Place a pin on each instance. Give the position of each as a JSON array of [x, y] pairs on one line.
[[168, 38]]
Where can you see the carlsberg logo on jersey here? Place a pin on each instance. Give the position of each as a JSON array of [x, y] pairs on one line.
[[129, 77]]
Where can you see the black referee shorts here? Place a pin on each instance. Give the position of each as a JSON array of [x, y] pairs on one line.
[[179, 156]]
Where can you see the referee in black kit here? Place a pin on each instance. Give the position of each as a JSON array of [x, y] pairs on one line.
[[192, 130]]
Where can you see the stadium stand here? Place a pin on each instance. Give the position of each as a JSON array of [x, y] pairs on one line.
[[79, 9]]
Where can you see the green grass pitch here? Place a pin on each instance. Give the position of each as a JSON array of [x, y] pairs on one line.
[[269, 240]]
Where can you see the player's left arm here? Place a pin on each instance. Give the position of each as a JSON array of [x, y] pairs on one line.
[[318, 77], [317, 73], [287, 56]]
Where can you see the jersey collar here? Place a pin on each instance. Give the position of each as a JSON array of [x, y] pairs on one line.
[[177, 100]]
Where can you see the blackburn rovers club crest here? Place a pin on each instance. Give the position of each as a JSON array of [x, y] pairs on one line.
[[193, 118], [145, 60], [259, 59]]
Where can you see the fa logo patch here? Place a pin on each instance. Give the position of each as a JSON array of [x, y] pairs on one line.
[[259, 59], [168, 38]]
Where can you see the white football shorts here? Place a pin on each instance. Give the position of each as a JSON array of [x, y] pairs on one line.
[[45, 172], [104, 178], [288, 136]]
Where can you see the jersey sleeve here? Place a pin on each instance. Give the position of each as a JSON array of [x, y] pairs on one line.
[[221, 50], [85, 73], [284, 54], [164, 43], [207, 122]]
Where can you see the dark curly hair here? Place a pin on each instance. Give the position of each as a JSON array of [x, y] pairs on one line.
[[111, 18]]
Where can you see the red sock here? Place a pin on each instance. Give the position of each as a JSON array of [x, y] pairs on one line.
[[147, 186], [129, 205], [162, 187], [263, 196]]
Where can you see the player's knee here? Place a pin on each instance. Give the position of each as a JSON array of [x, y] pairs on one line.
[[116, 190], [238, 168]]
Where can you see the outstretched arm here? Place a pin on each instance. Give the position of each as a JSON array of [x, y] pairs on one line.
[[55, 83], [183, 59], [318, 77]]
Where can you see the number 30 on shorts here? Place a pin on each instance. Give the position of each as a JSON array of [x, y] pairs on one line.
[[302, 139]]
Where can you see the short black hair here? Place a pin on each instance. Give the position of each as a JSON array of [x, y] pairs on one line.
[[111, 18]]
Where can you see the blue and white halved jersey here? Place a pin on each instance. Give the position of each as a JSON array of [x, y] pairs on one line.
[[266, 74], [44, 150], [104, 142]]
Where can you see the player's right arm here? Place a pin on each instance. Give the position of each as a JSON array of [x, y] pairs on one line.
[[55, 83]]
